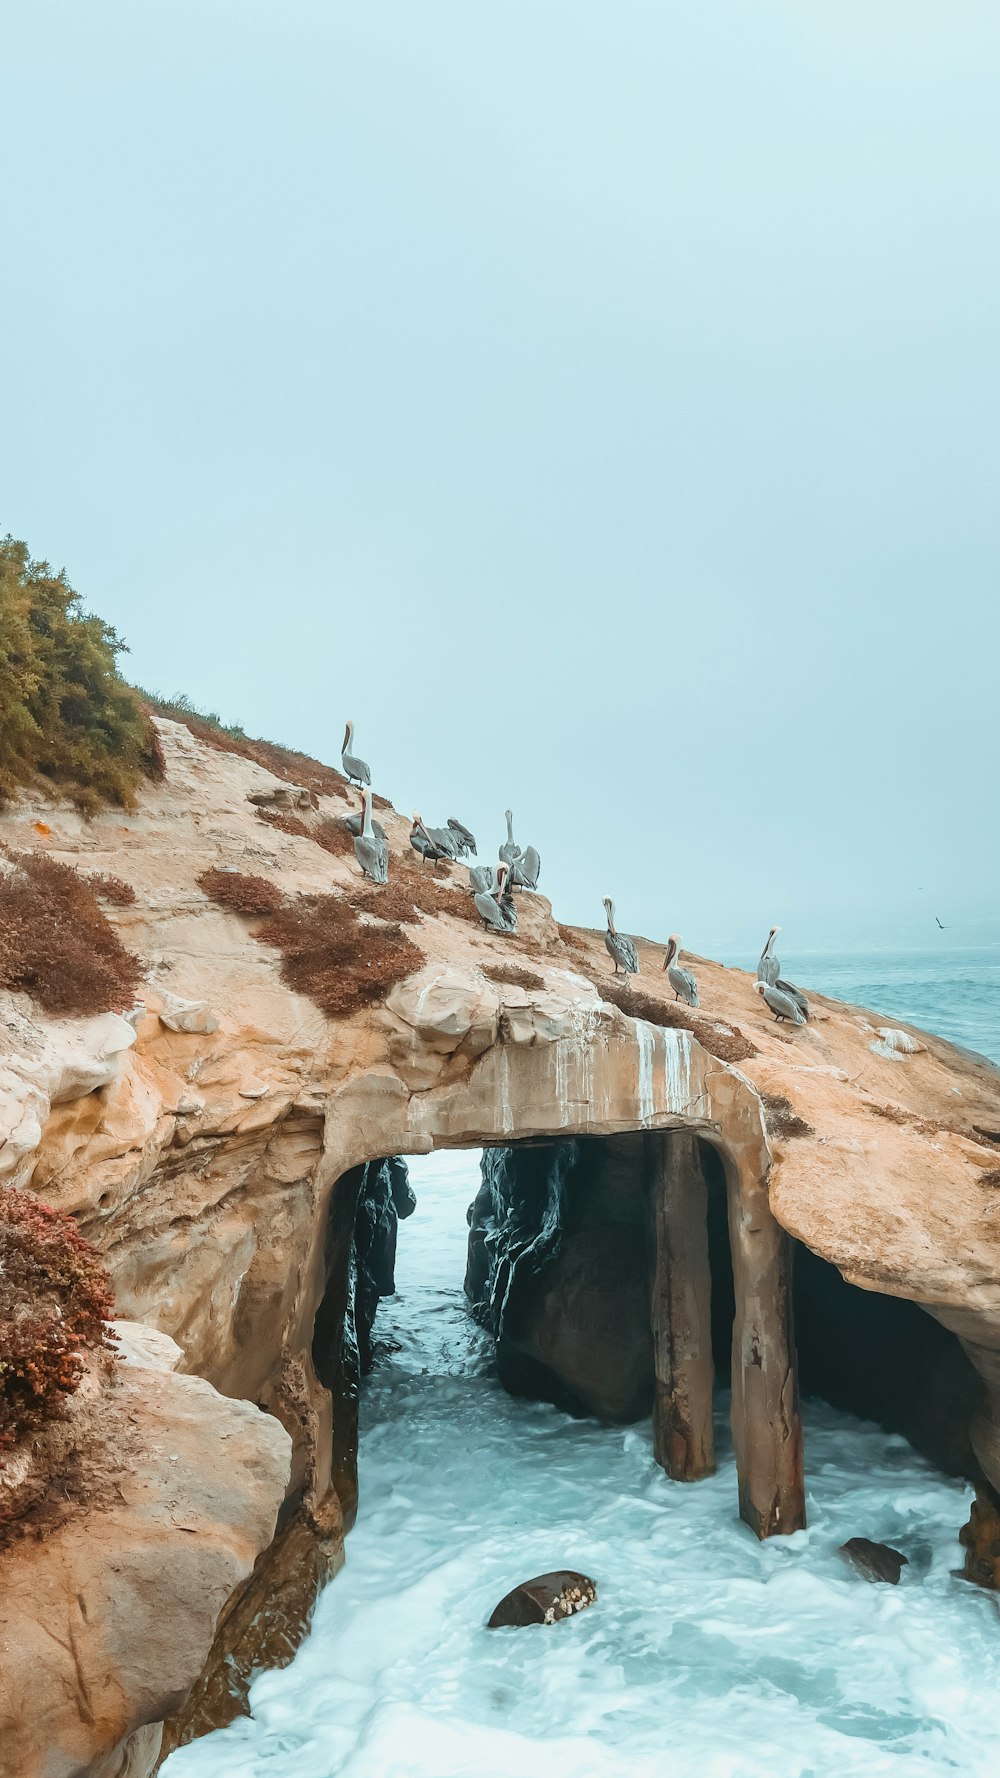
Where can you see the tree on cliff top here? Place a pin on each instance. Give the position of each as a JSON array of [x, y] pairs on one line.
[[66, 715]]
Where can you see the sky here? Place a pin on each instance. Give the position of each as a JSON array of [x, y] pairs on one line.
[[597, 402]]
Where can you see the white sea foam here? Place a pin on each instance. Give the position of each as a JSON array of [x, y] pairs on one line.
[[707, 1655]]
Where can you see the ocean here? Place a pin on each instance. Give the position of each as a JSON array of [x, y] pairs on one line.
[[707, 1654]]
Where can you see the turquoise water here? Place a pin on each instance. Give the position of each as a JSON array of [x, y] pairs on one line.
[[708, 1655], [955, 994]]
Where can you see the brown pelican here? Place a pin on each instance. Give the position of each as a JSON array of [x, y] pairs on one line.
[[371, 853], [782, 1005], [446, 840], [421, 841], [510, 850], [769, 971], [481, 878], [355, 823], [466, 840], [525, 868], [621, 948], [496, 909], [681, 980], [354, 768]]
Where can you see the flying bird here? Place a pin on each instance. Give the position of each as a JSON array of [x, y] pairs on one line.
[[355, 769], [620, 947], [681, 980]]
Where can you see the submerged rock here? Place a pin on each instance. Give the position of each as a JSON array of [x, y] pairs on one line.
[[544, 1600], [876, 1561]]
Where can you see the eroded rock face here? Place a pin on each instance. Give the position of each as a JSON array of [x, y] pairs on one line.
[[572, 1324], [105, 1622], [206, 1156]]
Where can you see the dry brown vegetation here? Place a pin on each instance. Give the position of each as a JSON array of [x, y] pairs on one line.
[[341, 962], [240, 892], [56, 944], [511, 975], [726, 1042], [286, 823], [112, 889], [333, 836], [782, 1118], [571, 937], [55, 1302], [285, 762]]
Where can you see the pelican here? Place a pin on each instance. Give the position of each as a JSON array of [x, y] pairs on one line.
[[681, 980], [510, 851], [421, 841], [371, 853], [769, 971], [466, 840], [621, 948], [355, 823], [446, 840], [782, 1005], [482, 879], [525, 868], [496, 909], [354, 768]]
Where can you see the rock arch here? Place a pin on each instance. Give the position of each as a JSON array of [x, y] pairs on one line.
[[472, 1070]]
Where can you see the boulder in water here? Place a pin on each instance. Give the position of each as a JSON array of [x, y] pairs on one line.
[[545, 1599], [876, 1561]]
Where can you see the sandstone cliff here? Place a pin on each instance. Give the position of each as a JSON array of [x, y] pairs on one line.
[[200, 1143]]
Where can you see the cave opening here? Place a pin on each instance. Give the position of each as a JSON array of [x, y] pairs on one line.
[[602, 1267]]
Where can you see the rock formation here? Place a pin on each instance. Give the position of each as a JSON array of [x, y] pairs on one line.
[[210, 1144]]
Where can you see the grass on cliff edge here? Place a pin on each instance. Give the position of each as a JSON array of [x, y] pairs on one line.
[[67, 718]]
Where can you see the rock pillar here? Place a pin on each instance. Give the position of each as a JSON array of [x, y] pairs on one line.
[[680, 1309], [767, 1430]]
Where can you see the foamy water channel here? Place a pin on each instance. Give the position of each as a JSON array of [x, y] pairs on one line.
[[706, 1654]]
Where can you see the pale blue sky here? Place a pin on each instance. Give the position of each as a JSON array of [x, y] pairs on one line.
[[597, 402]]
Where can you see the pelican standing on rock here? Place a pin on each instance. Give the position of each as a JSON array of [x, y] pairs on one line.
[[355, 769], [781, 1003], [371, 852], [769, 972], [495, 908], [466, 840], [681, 980], [620, 947], [422, 842], [510, 850], [355, 824], [525, 868]]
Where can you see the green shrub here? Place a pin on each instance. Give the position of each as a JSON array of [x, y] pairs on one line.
[[66, 715]]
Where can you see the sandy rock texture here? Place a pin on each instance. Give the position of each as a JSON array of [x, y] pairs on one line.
[[106, 1615], [199, 1140]]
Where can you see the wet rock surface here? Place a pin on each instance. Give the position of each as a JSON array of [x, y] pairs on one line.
[[875, 1561], [544, 1600]]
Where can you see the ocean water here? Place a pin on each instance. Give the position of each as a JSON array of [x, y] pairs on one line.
[[707, 1655], [955, 994]]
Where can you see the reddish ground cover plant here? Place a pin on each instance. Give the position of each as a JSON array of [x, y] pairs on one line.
[[333, 836], [55, 1304], [240, 892], [513, 976], [111, 889], [341, 962], [727, 1042], [56, 943], [286, 823]]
